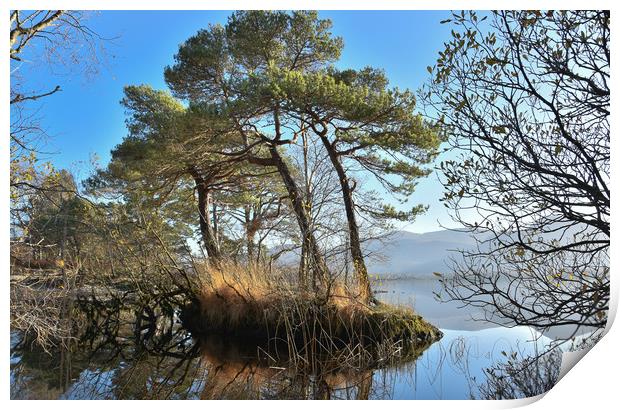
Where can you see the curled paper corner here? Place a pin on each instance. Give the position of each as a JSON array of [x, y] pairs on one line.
[[571, 358], [517, 403]]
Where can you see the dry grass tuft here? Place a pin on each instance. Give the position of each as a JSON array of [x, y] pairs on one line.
[[253, 303]]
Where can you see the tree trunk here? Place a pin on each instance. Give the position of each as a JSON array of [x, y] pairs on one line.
[[303, 219], [357, 257], [303, 260], [206, 230], [249, 233], [303, 265], [216, 232]]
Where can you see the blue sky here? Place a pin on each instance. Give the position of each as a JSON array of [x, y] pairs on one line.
[[86, 117]]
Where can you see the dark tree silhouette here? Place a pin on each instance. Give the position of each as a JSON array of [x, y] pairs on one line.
[[524, 97]]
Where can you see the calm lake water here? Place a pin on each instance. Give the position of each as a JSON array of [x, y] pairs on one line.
[[167, 363]]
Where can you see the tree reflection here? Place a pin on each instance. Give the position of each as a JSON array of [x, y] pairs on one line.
[[136, 354]]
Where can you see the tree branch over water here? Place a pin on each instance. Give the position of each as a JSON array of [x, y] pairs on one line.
[[524, 97]]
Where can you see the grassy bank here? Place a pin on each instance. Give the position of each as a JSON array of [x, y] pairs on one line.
[[271, 309]]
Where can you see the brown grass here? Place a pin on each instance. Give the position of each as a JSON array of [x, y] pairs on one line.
[[270, 309], [240, 297]]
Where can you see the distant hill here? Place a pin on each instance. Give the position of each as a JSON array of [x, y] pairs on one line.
[[416, 255], [408, 254]]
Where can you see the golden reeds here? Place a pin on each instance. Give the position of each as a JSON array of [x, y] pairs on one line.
[[272, 309]]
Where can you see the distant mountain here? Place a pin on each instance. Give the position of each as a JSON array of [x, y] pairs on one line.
[[408, 254]]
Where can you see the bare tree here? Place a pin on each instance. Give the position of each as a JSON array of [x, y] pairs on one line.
[[50, 39], [524, 97], [44, 202], [54, 38]]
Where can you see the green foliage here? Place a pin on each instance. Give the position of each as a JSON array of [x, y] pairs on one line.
[[210, 64], [265, 62], [58, 214], [364, 120]]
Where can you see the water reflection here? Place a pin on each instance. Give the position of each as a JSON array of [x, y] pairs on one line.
[[234, 372], [213, 368], [118, 356]]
